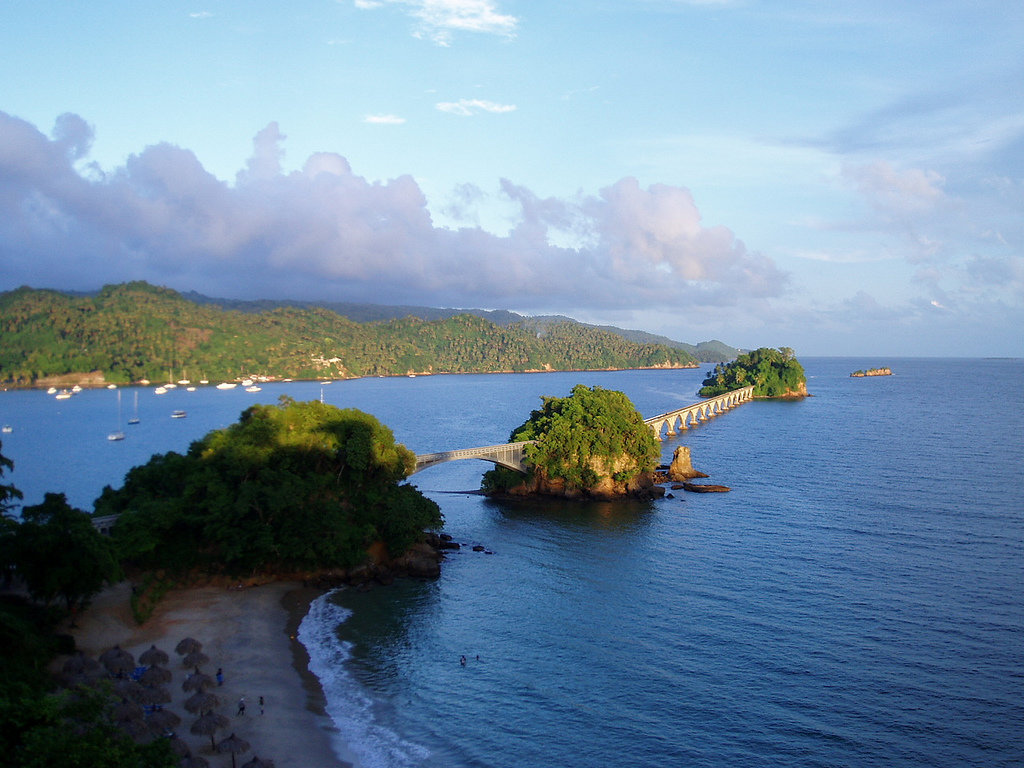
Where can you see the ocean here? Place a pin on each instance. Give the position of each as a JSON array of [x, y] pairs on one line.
[[854, 600]]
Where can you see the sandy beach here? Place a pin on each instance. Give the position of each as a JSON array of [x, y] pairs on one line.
[[250, 634]]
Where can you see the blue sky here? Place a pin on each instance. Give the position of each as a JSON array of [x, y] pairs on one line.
[[840, 178]]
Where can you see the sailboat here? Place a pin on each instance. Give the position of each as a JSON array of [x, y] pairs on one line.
[[117, 434], [134, 418]]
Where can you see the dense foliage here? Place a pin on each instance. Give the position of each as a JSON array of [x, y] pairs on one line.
[[297, 485], [592, 436], [136, 331], [773, 372], [57, 553]]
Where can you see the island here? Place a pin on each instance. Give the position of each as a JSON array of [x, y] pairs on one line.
[[774, 373], [872, 372], [593, 444]]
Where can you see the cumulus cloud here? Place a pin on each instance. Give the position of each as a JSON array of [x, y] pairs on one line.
[[437, 20], [468, 107], [325, 233]]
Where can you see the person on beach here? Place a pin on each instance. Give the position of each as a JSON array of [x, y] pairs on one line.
[[241, 707], [220, 676], [261, 705]]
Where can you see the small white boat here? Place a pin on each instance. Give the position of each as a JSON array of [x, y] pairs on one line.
[[144, 382], [184, 382], [246, 382], [63, 395], [170, 386], [227, 385], [160, 391], [113, 436], [76, 389], [6, 429], [190, 389], [253, 388], [204, 381], [178, 414], [51, 391]]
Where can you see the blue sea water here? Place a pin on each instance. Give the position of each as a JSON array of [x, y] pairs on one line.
[[854, 600]]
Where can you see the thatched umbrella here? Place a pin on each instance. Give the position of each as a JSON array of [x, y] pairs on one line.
[[127, 710], [153, 656], [258, 762], [117, 660], [179, 746], [197, 681], [136, 729], [155, 676], [154, 695], [234, 745], [129, 689], [187, 646], [194, 761], [162, 720], [195, 659], [209, 724], [80, 664], [202, 701]]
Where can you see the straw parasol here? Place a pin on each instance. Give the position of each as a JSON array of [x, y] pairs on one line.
[[129, 689], [153, 656], [179, 746], [127, 710], [234, 745], [117, 660], [152, 695], [209, 724], [202, 701], [195, 659], [155, 676], [187, 646], [197, 681], [162, 720], [80, 664]]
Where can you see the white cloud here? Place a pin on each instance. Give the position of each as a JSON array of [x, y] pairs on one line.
[[910, 191], [437, 20], [201, 15], [473, 106], [383, 119]]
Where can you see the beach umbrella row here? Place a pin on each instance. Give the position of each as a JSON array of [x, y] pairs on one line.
[[153, 656]]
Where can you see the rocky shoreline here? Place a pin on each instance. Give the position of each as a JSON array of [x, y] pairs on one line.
[[871, 372]]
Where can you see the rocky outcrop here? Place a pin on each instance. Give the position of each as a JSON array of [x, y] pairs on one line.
[[681, 467], [644, 486], [872, 372]]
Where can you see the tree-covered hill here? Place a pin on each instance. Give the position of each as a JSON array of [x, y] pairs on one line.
[[773, 372], [136, 331]]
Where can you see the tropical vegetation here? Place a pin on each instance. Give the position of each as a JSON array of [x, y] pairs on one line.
[[293, 486], [594, 440], [772, 372], [136, 331]]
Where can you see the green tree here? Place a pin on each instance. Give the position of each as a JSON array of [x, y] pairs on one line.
[[772, 372], [296, 485], [60, 554], [589, 438]]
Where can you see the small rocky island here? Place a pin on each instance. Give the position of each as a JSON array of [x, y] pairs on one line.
[[872, 372], [774, 373], [593, 444]]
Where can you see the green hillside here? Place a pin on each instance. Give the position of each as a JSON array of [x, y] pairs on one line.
[[135, 331]]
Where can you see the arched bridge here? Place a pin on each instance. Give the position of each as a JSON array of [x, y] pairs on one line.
[[692, 415], [506, 455], [511, 454]]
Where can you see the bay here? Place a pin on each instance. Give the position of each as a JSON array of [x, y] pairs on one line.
[[854, 600]]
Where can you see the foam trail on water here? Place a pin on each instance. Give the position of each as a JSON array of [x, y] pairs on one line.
[[348, 705]]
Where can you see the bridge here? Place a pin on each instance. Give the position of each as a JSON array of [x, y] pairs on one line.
[[511, 454], [691, 415]]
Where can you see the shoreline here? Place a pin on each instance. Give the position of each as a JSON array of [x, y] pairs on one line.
[[252, 634]]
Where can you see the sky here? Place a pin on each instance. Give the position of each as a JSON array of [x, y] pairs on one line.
[[839, 178]]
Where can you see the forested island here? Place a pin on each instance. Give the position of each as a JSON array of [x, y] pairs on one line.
[[592, 444], [772, 372], [135, 331]]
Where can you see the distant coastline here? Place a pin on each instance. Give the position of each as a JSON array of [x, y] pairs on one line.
[[872, 372]]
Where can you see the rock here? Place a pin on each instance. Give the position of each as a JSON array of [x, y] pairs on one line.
[[695, 488], [682, 467]]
